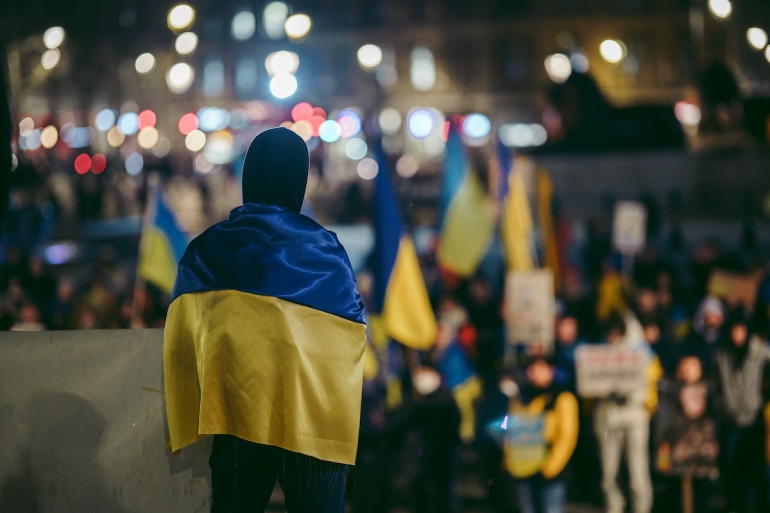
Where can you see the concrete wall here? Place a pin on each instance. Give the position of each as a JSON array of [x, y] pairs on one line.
[[82, 427]]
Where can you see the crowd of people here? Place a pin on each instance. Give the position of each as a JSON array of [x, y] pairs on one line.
[[437, 426]]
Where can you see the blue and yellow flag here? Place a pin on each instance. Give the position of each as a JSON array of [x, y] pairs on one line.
[[516, 225], [400, 295], [265, 337], [469, 225], [162, 245]]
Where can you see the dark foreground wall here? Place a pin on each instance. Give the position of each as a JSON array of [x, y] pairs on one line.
[[82, 427]]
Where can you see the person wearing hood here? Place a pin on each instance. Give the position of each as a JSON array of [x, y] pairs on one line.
[[707, 331], [742, 384], [264, 344]]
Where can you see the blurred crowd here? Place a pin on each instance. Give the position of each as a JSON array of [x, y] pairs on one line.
[[434, 423]]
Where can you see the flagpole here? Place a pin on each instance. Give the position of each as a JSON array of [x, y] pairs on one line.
[[140, 286]]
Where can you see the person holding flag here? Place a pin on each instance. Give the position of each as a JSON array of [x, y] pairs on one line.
[[264, 344]]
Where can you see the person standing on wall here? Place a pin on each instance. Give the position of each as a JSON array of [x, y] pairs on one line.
[[264, 344]]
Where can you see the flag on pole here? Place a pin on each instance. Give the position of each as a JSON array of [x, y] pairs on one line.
[[400, 295], [547, 229], [517, 225], [469, 222], [162, 245], [456, 167]]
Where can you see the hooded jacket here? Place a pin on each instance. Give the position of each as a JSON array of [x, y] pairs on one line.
[[265, 335]]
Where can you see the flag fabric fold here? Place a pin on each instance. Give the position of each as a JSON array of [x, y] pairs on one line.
[[265, 337], [400, 295], [517, 226], [162, 245]]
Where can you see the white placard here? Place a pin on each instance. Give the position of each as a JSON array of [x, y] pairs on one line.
[[629, 227], [601, 370], [530, 308]]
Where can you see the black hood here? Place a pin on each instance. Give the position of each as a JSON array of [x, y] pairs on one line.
[[275, 169]]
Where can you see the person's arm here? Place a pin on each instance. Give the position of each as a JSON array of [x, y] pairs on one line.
[[565, 421], [654, 373]]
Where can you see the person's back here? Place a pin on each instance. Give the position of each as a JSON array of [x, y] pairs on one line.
[[264, 344]]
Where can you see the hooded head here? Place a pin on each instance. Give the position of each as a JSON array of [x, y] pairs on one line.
[[275, 169]]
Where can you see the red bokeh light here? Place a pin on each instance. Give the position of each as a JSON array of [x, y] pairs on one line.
[[445, 131], [318, 111], [302, 111], [82, 163], [147, 118], [188, 123], [98, 163], [315, 123]]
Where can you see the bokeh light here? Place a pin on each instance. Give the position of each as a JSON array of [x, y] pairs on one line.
[[104, 120], [163, 148], [26, 126], [301, 111], [767, 54], [128, 123], [757, 38], [367, 168], [329, 131], [76, 136], [53, 37], [476, 125], [390, 121], [612, 51], [297, 26], [406, 166], [202, 164], [721, 9], [422, 70], [179, 77], [195, 140], [186, 43], [82, 163], [243, 26], [147, 118], [273, 19], [114, 137], [30, 142], [369, 56], [145, 63], [98, 164], [134, 164], [687, 113], [219, 147], [283, 85], [188, 123], [558, 67], [579, 61], [350, 122], [49, 136], [181, 17], [522, 135], [356, 149], [148, 137], [281, 62], [213, 118], [50, 58], [302, 129], [420, 123]]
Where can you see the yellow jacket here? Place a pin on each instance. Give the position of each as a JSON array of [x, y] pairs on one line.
[[559, 434]]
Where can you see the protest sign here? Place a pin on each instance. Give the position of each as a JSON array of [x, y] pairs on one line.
[[686, 443], [602, 370], [629, 227], [733, 288], [525, 449], [530, 307]]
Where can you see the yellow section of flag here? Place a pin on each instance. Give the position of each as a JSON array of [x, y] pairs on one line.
[[468, 228], [517, 226], [157, 264], [407, 312]]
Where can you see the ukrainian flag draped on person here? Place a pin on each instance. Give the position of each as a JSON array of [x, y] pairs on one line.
[[265, 334]]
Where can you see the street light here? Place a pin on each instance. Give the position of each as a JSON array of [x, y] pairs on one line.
[[369, 56], [283, 85], [721, 9], [757, 38], [181, 17], [297, 26], [612, 51]]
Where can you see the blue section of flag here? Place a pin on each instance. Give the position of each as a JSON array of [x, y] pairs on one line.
[[272, 251], [166, 223], [455, 168], [504, 165], [388, 229]]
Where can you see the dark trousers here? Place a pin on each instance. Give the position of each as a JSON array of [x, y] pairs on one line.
[[243, 475], [743, 458]]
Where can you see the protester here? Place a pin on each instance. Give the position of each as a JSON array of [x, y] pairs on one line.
[[743, 385], [622, 426], [707, 331], [539, 468]]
